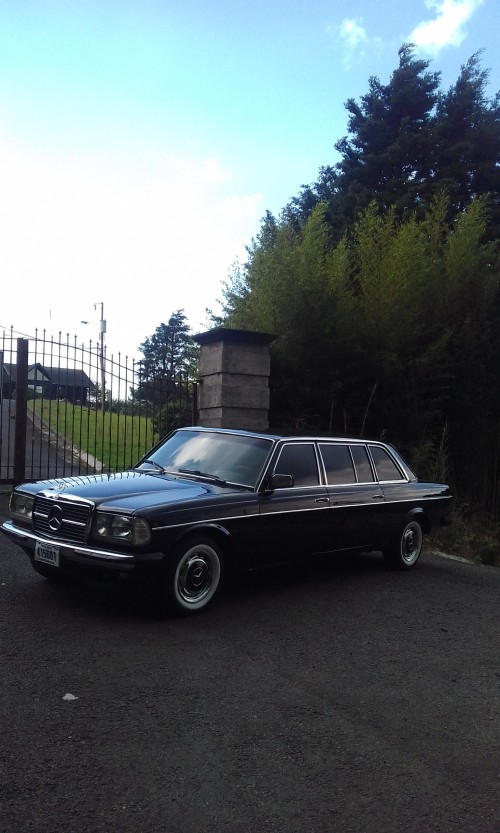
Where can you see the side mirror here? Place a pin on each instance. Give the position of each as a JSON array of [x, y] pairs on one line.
[[280, 481]]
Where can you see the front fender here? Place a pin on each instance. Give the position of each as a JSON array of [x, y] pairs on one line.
[[216, 531]]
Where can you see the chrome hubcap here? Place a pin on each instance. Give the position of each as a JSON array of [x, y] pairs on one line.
[[411, 544], [194, 578], [198, 576]]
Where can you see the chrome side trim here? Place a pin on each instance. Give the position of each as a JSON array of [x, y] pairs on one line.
[[256, 515], [420, 504]]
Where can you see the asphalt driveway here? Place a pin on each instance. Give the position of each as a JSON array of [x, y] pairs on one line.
[[340, 697], [44, 457]]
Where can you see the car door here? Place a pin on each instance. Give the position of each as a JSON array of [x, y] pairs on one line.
[[355, 498], [400, 494], [294, 519]]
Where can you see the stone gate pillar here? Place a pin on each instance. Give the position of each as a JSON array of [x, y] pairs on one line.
[[233, 371]]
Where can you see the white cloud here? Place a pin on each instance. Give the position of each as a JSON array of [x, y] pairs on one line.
[[447, 28], [352, 37], [352, 33], [145, 235]]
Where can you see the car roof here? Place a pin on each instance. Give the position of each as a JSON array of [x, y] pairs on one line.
[[276, 437]]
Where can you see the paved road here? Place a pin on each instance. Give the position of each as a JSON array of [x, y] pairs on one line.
[[342, 699]]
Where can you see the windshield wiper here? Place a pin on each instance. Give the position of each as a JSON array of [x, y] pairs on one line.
[[206, 474], [152, 463]]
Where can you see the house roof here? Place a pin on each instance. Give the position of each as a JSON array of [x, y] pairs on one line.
[[67, 376], [9, 370], [61, 376]]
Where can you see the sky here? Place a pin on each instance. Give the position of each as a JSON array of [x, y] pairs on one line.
[[142, 141]]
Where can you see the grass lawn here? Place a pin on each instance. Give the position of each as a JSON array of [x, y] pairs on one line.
[[115, 440]]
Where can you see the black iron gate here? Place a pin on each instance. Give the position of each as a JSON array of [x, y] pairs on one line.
[[69, 409]]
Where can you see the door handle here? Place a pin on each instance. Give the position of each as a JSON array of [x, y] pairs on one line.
[[321, 500], [377, 497]]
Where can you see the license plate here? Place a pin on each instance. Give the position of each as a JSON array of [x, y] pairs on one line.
[[47, 553]]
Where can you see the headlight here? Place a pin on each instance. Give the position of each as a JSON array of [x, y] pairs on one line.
[[21, 507], [124, 528]]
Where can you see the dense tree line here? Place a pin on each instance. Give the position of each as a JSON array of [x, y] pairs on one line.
[[381, 281]]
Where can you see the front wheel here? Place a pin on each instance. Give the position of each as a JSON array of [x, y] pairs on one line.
[[405, 552], [192, 576]]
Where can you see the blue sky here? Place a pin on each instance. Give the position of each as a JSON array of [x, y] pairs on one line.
[[141, 141]]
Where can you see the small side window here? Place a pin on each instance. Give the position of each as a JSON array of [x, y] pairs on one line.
[[384, 464], [362, 464], [338, 464], [299, 460]]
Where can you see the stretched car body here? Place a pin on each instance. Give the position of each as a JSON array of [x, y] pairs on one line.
[[204, 499]]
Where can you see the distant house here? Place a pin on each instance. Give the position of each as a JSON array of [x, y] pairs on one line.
[[50, 382], [8, 383]]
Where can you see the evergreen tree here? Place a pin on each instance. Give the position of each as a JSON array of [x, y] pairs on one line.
[[170, 349], [389, 155], [167, 372], [467, 140]]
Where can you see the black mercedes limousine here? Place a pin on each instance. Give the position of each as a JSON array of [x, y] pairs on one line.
[[206, 499]]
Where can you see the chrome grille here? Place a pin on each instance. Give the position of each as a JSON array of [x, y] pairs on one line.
[[71, 519]]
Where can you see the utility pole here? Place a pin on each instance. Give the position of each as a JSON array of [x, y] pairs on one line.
[[102, 330]]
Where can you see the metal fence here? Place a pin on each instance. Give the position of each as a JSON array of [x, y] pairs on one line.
[[69, 409]]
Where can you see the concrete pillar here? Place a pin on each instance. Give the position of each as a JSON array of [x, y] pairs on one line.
[[233, 371]]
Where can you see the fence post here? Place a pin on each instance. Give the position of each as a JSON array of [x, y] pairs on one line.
[[21, 411]]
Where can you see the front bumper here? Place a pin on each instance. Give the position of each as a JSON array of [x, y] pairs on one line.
[[78, 554]]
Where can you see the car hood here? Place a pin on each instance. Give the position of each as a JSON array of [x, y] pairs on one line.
[[129, 490]]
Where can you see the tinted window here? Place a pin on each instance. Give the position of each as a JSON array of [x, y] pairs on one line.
[[338, 464], [384, 464], [362, 464], [300, 461]]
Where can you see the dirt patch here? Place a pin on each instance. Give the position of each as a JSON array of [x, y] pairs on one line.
[[472, 536]]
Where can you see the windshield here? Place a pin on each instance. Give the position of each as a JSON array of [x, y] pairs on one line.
[[233, 458]]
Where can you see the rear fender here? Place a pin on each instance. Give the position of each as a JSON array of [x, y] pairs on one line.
[[418, 514]]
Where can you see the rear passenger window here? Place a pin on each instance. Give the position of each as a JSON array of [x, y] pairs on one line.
[[362, 464], [299, 460], [384, 464], [338, 464]]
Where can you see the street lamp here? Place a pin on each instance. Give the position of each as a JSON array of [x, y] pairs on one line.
[[102, 330]]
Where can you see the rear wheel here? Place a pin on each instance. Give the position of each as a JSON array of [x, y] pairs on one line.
[[405, 552], [193, 576]]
